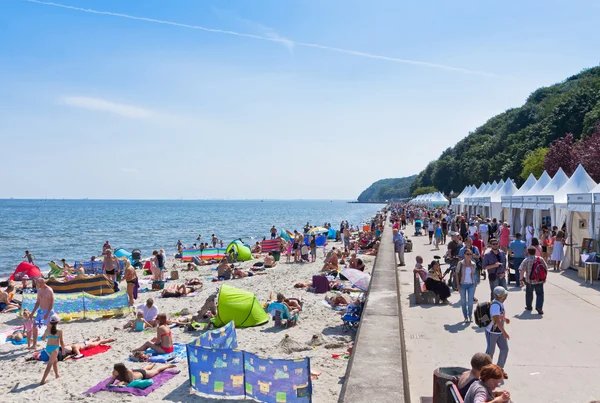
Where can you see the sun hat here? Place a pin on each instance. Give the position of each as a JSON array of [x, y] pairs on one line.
[[25, 277], [54, 319]]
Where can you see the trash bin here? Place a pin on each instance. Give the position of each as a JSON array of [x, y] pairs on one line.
[[276, 255], [440, 377]]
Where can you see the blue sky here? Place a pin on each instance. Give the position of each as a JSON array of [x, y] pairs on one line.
[[277, 99]]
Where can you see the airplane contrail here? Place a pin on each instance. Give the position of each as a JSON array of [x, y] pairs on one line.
[[270, 39]]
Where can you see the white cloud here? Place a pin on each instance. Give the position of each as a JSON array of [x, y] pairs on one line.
[[97, 104]]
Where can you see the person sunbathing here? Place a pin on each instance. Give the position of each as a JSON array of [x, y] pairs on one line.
[[293, 304], [176, 291], [270, 261], [224, 269], [163, 342], [76, 348], [126, 376], [352, 261], [238, 273], [360, 265], [6, 303], [190, 266], [194, 281], [257, 248], [337, 300], [331, 263], [208, 310]]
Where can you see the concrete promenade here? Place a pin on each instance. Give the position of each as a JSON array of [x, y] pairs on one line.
[[552, 359], [375, 372]]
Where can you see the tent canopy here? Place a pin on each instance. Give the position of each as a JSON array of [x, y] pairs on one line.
[[25, 268], [508, 189], [544, 180], [243, 251], [580, 182], [529, 183], [239, 306]]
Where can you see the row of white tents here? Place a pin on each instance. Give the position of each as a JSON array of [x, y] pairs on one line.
[[436, 199], [555, 201]]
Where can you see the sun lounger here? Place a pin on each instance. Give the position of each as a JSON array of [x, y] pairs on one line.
[[351, 318]]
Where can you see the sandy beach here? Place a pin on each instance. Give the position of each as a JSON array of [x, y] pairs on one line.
[[20, 379]]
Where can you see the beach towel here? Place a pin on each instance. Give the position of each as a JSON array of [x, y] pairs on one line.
[[94, 350], [5, 333], [158, 380], [179, 354]]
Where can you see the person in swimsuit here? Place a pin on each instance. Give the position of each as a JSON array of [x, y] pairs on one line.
[[179, 290], [163, 342], [53, 346], [131, 279], [110, 265], [76, 348], [30, 257], [5, 300], [224, 269], [126, 376], [45, 303]]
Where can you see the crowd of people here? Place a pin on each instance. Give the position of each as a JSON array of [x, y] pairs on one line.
[[479, 248]]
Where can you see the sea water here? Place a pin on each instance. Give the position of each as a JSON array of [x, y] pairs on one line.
[[77, 229]]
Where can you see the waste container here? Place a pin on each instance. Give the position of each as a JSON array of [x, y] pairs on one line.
[[276, 255], [440, 377]]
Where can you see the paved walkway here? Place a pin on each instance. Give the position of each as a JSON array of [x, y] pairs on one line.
[[552, 359]]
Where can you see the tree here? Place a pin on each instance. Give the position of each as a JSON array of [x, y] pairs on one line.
[[561, 155], [588, 153], [423, 190], [534, 163]]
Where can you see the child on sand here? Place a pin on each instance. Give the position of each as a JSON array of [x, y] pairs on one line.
[[54, 344], [28, 326], [138, 324], [288, 252]]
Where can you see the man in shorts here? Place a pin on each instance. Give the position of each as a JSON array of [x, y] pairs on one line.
[[45, 303]]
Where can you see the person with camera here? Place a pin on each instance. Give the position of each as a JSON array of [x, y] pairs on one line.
[[494, 262]]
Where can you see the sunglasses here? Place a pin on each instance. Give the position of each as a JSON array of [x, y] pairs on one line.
[[494, 244], [468, 254]]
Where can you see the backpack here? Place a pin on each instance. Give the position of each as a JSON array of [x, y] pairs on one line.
[[482, 314], [538, 271]]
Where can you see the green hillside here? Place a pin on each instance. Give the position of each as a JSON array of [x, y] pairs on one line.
[[497, 149], [387, 189]]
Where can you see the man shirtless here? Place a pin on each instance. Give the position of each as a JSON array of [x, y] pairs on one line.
[[110, 265], [45, 303], [5, 300], [224, 269], [270, 261]]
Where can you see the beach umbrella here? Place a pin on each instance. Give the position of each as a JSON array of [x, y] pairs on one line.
[[318, 230], [358, 278]]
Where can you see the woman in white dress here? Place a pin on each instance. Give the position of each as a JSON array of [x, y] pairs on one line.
[[529, 234], [558, 253]]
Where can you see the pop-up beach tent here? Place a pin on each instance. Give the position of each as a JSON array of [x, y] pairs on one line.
[[244, 253], [25, 268], [238, 306]]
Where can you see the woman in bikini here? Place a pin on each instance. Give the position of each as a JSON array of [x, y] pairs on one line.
[[76, 348], [130, 277], [163, 342], [55, 342], [125, 376]]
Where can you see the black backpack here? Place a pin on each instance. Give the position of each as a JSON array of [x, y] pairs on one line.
[[482, 314]]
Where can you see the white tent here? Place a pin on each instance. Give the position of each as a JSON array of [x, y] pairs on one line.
[[485, 201], [463, 202], [579, 223], [496, 209], [470, 200], [456, 201], [514, 202], [545, 202], [437, 199], [528, 202]]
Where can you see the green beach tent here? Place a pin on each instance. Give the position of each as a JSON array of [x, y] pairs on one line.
[[244, 252], [238, 306]]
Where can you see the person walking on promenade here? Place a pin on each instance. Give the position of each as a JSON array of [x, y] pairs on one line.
[[399, 244], [494, 262], [533, 271], [466, 271], [495, 333], [517, 249]]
